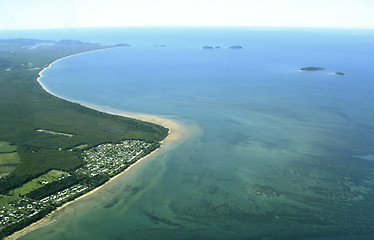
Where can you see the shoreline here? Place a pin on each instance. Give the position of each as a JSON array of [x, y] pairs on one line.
[[69, 56], [49, 218], [177, 133]]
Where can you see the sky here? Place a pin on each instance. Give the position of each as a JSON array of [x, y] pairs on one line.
[[44, 14]]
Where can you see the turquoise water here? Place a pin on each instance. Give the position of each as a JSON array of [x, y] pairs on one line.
[[274, 153]]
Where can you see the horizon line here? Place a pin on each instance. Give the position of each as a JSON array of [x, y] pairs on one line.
[[192, 26]]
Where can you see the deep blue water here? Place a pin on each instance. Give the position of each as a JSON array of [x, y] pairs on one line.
[[275, 153]]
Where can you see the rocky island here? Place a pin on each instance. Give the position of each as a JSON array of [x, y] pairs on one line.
[[340, 73], [308, 69]]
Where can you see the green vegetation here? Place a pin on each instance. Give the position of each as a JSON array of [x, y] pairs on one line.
[[39, 182], [56, 186], [5, 200], [9, 158], [40, 133], [8, 162], [83, 146], [5, 147]]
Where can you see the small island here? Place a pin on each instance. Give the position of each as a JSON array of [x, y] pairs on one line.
[[340, 73], [122, 45], [208, 47], [236, 47], [309, 69]]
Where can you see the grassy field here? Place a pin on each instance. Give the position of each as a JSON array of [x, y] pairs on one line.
[[9, 158], [81, 146], [8, 162], [5, 200], [39, 182], [5, 147]]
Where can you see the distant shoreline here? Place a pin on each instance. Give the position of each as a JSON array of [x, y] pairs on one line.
[[177, 132]]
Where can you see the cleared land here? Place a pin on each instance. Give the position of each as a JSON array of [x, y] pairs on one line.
[[39, 182], [5, 147], [8, 162]]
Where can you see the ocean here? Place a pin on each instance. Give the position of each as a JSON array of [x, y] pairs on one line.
[[273, 153]]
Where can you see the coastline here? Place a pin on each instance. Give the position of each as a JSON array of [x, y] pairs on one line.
[[69, 56], [177, 133]]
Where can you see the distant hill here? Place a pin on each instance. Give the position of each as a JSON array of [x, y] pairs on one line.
[[24, 41]]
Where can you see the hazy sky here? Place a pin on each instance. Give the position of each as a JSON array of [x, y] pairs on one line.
[[31, 14]]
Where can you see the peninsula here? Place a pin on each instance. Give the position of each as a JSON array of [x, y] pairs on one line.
[[46, 158]]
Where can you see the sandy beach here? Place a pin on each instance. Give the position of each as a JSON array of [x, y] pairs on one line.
[[177, 133]]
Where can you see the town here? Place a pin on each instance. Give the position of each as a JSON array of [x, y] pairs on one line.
[[103, 161]]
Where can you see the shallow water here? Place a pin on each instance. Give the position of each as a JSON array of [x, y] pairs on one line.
[[273, 153]]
